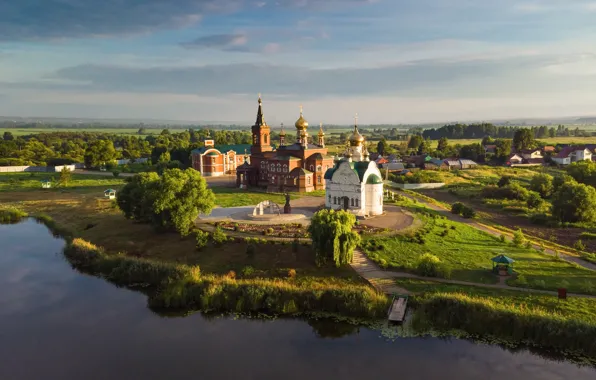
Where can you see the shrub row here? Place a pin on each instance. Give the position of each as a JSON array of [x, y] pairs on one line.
[[481, 316], [182, 286]]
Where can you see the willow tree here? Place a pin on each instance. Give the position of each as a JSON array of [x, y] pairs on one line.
[[332, 236]]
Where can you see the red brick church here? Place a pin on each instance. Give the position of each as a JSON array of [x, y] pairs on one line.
[[297, 166]]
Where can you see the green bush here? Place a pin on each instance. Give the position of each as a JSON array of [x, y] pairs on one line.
[[502, 238], [218, 236], [247, 271], [518, 238], [11, 215], [116, 173], [521, 280], [579, 246], [457, 208], [430, 265], [504, 181], [202, 239], [468, 213]]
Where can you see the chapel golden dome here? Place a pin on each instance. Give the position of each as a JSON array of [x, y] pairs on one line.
[[301, 124], [321, 133], [356, 139]]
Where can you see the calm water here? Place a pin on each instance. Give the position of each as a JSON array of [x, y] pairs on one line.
[[58, 324]]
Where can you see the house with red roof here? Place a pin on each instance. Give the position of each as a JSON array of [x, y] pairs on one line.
[[572, 154]]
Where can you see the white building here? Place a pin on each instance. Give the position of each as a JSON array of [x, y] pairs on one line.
[[572, 154], [355, 183]]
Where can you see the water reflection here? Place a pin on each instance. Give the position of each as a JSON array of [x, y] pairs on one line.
[[59, 324]]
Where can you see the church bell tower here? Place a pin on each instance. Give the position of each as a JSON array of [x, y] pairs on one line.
[[261, 133]]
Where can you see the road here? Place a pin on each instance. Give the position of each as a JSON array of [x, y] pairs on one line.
[[222, 181]]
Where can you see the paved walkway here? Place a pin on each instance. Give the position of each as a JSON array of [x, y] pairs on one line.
[[385, 280], [479, 226]]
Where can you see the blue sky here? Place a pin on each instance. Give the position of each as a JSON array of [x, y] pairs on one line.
[[392, 61]]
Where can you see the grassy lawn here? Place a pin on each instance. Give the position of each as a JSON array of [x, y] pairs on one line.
[[577, 307], [79, 182], [467, 251], [232, 197]]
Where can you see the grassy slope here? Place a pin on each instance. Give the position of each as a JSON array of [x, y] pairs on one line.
[[580, 308], [467, 251], [80, 182]]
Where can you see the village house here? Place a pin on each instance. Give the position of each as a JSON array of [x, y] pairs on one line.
[[572, 154], [454, 163]]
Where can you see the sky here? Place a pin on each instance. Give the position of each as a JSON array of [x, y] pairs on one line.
[[390, 61]]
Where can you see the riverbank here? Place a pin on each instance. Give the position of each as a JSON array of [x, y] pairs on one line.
[[538, 320], [181, 286]]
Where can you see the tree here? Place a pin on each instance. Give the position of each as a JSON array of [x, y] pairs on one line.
[[523, 139], [382, 147], [472, 151], [583, 172], [415, 142], [534, 200], [542, 184], [65, 176], [332, 236], [574, 202], [142, 131], [502, 149], [518, 238], [99, 152], [425, 147], [560, 180], [170, 202], [443, 144], [135, 199], [8, 136], [504, 181], [181, 195]]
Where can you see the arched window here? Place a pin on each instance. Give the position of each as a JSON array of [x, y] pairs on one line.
[[334, 200], [351, 201], [285, 168], [262, 164], [319, 179], [312, 168], [295, 181], [279, 167], [308, 180], [254, 139], [319, 168], [357, 203], [265, 138], [285, 180], [329, 198], [272, 167]]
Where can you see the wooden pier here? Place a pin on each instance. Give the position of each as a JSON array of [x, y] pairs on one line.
[[397, 310]]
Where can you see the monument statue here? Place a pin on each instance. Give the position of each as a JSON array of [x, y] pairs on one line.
[[287, 207]]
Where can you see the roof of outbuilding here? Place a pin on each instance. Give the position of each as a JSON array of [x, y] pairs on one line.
[[238, 148]]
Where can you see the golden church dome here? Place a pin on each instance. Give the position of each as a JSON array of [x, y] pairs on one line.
[[356, 138], [301, 123]]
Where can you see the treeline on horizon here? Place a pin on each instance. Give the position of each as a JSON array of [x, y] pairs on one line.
[[482, 130]]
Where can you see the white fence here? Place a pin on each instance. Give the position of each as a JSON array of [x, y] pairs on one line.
[[41, 169], [418, 186], [136, 160]]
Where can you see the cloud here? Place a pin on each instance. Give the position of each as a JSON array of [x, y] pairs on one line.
[[440, 77], [222, 41], [23, 20]]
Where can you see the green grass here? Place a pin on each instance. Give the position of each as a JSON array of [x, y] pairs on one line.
[[467, 251], [232, 197], [577, 307], [183, 286], [538, 320], [32, 181], [11, 214]]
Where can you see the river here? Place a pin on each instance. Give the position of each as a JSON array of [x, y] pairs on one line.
[[56, 323]]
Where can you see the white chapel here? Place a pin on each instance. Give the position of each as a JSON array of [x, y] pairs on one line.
[[355, 183]]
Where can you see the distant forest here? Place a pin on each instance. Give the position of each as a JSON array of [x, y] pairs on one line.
[[478, 131]]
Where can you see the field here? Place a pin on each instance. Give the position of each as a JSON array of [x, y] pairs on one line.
[[79, 182], [467, 251], [116, 131]]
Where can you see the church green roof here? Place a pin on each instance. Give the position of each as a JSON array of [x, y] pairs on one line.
[[238, 148], [373, 179]]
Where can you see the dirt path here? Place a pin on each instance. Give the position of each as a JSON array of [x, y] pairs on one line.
[[479, 226], [385, 280]]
